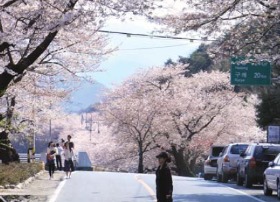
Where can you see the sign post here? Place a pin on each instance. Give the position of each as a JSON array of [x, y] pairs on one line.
[[250, 73], [273, 134]]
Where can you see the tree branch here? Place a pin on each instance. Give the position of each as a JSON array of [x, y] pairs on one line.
[[24, 63], [9, 3]]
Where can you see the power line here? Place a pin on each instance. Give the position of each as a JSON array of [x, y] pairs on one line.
[[149, 48], [128, 34]]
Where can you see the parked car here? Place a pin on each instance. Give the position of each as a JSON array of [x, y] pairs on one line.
[[272, 178], [254, 162], [227, 161], [210, 164]]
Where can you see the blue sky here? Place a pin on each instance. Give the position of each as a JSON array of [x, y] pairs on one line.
[[125, 62]]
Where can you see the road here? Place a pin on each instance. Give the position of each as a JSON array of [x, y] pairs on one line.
[[123, 187]]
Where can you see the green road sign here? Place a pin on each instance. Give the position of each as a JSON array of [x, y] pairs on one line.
[[250, 73]]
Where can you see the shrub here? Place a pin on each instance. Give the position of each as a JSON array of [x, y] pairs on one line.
[[15, 173]]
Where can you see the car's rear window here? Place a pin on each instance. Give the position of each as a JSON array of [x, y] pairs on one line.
[[266, 153], [216, 151], [238, 149]]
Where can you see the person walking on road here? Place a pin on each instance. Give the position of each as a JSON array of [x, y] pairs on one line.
[[58, 156], [68, 162], [164, 184], [71, 144], [51, 153]]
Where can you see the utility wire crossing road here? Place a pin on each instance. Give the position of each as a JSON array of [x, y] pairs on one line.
[[123, 187]]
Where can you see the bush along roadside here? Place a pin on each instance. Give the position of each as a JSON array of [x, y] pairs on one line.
[[15, 173]]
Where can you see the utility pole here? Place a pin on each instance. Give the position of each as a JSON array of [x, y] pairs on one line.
[[50, 121], [33, 114], [50, 131], [89, 124]]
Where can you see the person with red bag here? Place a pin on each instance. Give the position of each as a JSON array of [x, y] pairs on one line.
[[51, 153]]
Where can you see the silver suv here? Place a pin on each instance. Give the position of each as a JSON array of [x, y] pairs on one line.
[[228, 161]]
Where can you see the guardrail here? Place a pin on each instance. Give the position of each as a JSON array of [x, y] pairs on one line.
[[104, 169], [23, 157]]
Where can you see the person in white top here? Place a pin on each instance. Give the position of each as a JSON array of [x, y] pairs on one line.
[[68, 162], [51, 153], [58, 156]]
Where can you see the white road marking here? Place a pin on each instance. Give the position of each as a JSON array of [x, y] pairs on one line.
[[146, 186], [2, 199], [244, 193], [57, 191]]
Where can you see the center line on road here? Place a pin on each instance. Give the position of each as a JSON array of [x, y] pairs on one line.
[[146, 186]]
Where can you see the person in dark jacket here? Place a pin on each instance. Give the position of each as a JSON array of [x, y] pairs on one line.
[[164, 184]]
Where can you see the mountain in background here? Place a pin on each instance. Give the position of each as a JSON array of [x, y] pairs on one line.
[[86, 95]]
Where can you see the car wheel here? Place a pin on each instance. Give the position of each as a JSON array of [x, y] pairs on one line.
[[207, 177], [266, 190], [224, 177], [248, 181], [239, 180], [219, 178], [278, 190]]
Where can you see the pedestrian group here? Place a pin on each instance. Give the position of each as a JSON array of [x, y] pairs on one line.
[[57, 152]]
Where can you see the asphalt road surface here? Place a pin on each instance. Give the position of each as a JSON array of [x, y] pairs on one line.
[[122, 187]]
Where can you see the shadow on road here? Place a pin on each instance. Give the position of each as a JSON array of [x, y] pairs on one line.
[[208, 185], [211, 198], [233, 185], [145, 198], [255, 191], [184, 179]]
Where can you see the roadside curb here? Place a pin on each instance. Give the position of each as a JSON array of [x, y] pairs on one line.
[[22, 184], [29, 180]]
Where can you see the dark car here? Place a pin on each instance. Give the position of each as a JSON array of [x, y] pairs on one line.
[[210, 164], [254, 161], [271, 178]]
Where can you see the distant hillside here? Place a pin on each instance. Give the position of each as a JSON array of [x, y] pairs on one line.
[[86, 95]]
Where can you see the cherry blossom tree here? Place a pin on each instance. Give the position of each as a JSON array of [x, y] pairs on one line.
[[54, 38], [240, 27], [60, 33], [28, 108], [189, 114], [131, 112], [57, 39]]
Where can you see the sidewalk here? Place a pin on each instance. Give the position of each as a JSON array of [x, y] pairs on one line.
[[39, 190]]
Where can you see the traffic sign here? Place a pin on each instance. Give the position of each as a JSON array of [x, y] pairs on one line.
[[250, 72], [273, 134]]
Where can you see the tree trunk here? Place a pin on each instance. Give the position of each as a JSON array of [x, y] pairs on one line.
[[7, 154], [140, 159], [181, 165]]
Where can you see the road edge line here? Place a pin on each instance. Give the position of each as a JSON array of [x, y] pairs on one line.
[[244, 193], [57, 191], [1, 198], [146, 186]]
